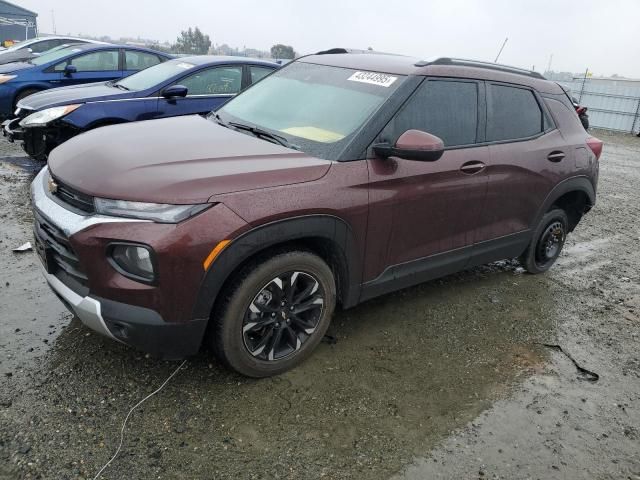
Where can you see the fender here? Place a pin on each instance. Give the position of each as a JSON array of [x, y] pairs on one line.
[[326, 227], [573, 184]]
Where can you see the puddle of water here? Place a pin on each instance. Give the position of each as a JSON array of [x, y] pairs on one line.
[[406, 369]]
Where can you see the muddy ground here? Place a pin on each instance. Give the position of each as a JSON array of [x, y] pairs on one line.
[[450, 379]]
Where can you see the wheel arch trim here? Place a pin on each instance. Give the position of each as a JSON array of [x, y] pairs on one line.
[[574, 184], [247, 245]]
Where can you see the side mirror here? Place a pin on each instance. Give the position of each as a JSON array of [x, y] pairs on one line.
[[175, 91], [70, 70], [413, 145]]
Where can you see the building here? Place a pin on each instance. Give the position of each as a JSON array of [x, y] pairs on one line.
[[16, 23], [613, 103]]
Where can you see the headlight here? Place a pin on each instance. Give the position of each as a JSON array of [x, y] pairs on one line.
[[48, 115], [133, 260], [158, 212], [6, 78]]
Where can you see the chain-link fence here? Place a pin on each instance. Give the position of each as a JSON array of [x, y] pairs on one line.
[[612, 103]]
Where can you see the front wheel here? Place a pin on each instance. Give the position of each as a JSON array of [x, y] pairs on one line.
[[274, 313], [22, 95], [547, 242]]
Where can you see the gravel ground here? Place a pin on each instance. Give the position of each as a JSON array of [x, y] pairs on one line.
[[450, 379]]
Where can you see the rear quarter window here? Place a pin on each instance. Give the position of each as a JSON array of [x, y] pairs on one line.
[[513, 113]]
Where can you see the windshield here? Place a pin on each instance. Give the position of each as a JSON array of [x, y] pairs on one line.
[[53, 55], [317, 108], [152, 76]]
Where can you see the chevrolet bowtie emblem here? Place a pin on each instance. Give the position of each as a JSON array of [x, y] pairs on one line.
[[53, 186]]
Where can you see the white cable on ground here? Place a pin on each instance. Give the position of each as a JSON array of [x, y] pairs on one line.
[[124, 424]]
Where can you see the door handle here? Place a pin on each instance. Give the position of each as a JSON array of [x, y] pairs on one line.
[[555, 156], [472, 167]]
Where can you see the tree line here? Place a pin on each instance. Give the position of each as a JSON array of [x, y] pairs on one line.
[[193, 42]]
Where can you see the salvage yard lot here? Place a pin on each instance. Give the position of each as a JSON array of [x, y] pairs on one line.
[[450, 379]]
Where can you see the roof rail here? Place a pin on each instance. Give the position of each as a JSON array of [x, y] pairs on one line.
[[463, 62], [333, 51]]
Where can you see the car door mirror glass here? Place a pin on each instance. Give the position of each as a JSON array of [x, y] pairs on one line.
[[175, 91], [413, 145]]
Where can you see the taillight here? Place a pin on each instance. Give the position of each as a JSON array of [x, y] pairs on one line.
[[595, 145]]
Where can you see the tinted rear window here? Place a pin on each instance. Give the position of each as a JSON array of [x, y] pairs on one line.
[[513, 113]]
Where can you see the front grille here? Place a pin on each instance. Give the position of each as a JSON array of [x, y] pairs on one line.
[[64, 257], [72, 197]]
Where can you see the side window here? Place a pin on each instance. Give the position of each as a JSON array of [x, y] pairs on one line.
[[257, 73], [43, 46], [103, 61], [139, 60], [448, 109], [214, 81], [512, 113]]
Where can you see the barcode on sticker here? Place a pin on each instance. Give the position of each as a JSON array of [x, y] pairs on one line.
[[380, 79]]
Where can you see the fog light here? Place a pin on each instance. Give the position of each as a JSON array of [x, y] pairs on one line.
[[134, 260]]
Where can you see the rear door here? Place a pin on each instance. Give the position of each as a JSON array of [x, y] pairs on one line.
[[98, 66], [208, 89], [527, 157], [257, 73], [136, 60], [424, 209]]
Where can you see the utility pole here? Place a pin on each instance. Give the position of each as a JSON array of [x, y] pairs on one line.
[[501, 48], [586, 73], [550, 60], [53, 21]]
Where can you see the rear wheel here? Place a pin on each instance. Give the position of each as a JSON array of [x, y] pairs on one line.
[[547, 242], [274, 314]]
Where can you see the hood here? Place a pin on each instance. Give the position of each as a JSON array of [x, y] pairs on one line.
[[73, 94], [14, 67], [181, 160], [19, 56]]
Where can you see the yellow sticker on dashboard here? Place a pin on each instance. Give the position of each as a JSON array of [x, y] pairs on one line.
[[314, 133]]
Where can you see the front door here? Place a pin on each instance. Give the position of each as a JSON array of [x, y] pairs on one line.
[[91, 67], [207, 90], [424, 214]]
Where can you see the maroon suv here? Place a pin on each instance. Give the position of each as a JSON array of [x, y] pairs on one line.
[[338, 178]]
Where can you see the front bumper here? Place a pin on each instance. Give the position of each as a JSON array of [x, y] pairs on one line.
[[137, 326], [87, 309], [11, 129]]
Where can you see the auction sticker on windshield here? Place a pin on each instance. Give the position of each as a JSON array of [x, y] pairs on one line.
[[380, 79]]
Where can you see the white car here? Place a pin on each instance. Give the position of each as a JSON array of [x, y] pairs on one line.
[[39, 45]]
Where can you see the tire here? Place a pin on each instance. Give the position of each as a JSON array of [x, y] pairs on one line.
[[547, 242], [255, 333], [23, 94]]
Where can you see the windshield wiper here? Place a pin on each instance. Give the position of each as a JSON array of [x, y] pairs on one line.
[[264, 134], [121, 87], [218, 119]]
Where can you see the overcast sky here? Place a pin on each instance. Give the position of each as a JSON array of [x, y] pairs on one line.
[[603, 35]]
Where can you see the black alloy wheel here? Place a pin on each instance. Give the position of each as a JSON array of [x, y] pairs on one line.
[[273, 313], [283, 315]]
